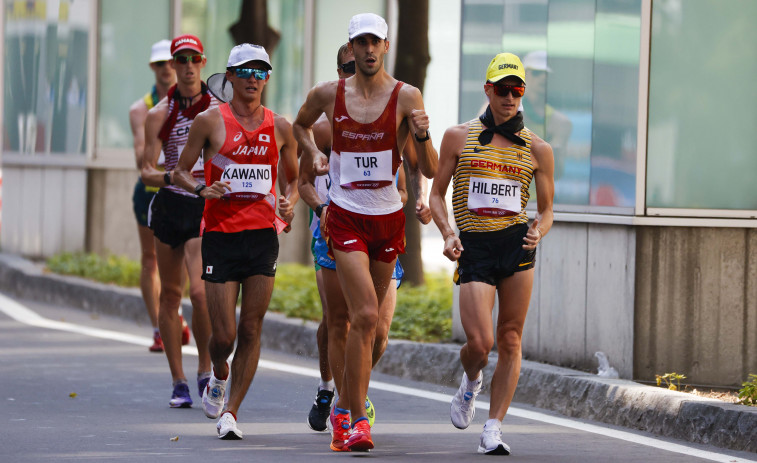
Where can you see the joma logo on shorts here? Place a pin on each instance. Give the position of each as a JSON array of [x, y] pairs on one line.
[[349, 242]]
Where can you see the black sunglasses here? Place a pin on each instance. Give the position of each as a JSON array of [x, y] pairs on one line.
[[348, 67]]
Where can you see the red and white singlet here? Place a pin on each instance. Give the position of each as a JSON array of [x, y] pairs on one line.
[[248, 161], [364, 159]]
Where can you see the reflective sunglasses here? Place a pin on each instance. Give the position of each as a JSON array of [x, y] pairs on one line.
[[246, 73], [348, 67], [184, 59], [503, 90]]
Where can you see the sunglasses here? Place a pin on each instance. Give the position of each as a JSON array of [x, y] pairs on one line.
[[348, 67], [502, 90], [184, 59], [246, 73], [160, 64]]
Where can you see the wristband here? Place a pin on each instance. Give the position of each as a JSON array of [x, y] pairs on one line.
[[167, 178], [319, 209], [421, 140], [199, 188]]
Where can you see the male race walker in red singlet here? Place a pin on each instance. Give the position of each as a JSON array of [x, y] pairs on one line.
[[241, 143], [492, 161], [371, 115], [175, 215]]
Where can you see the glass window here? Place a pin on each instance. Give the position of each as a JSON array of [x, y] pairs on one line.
[[126, 53], [46, 65], [286, 91], [211, 21], [685, 153], [332, 18], [582, 60]]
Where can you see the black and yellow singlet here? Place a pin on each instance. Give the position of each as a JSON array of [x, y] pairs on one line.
[[490, 184], [151, 99]]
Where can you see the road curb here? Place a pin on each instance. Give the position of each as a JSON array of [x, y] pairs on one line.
[[568, 392]]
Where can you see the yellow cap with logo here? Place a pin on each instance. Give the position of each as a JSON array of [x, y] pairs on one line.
[[503, 65]]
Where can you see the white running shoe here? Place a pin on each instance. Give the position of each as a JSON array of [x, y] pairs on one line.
[[227, 427], [491, 443], [462, 409], [214, 398]]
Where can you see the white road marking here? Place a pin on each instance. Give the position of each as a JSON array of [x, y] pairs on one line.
[[24, 315]]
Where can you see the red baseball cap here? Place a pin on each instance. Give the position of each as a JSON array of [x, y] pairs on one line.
[[186, 42]]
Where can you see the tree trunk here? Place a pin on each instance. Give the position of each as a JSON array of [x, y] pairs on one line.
[[410, 66], [253, 27]]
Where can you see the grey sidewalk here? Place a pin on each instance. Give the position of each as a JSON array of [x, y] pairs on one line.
[[571, 393]]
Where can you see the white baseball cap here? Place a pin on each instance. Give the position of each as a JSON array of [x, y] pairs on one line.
[[536, 60], [368, 23], [161, 51], [247, 52]]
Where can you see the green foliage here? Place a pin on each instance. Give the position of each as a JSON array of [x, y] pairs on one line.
[[423, 313], [118, 270], [672, 380], [748, 393], [295, 292]]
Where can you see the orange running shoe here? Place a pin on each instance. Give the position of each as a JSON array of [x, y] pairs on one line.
[[340, 430], [184, 331], [360, 437], [157, 343]]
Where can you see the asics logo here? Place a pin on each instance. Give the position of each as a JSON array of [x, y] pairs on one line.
[[350, 242], [467, 396], [340, 118], [237, 136]]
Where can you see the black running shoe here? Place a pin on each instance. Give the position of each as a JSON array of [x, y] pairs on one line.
[[319, 412]]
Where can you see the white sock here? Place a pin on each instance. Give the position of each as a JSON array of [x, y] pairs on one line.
[[329, 386], [493, 424], [473, 385], [156, 330]]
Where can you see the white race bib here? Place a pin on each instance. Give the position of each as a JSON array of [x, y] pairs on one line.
[[249, 182], [366, 170], [493, 197]]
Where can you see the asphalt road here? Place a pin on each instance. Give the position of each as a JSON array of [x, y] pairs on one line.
[[82, 387]]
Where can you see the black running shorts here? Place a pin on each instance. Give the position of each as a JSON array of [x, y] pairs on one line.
[[237, 256], [175, 218], [489, 257], [141, 201]]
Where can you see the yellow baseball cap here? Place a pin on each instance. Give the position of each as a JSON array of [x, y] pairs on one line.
[[503, 65]]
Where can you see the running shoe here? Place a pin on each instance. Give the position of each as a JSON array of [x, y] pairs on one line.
[[320, 411], [214, 397], [360, 437], [184, 331], [227, 427], [462, 409], [491, 443], [340, 430], [180, 397], [157, 342], [370, 412], [202, 382]]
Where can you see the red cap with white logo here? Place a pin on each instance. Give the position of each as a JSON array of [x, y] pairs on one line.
[[186, 42]]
